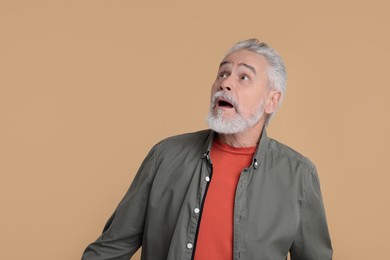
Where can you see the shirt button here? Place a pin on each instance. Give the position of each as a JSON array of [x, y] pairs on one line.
[[196, 210], [189, 245], [207, 178]]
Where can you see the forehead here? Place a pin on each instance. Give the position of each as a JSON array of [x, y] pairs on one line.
[[241, 57]]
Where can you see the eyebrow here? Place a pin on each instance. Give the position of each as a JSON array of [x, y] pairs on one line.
[[241, 64], [224, 63], [249, 67]]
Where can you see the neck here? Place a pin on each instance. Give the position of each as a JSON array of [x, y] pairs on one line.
[[247, 138]]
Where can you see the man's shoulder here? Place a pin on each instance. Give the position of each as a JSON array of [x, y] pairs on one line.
[[194, 141], [283, 150], [188, 137]]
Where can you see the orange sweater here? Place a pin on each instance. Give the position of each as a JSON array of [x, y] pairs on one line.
[[215, 236]]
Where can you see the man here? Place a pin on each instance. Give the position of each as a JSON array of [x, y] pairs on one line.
[[226, 193]]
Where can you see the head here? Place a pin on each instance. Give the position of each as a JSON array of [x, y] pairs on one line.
[[249, 88]]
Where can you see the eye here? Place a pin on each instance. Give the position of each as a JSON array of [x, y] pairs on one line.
[[244, 77], [223, 74]]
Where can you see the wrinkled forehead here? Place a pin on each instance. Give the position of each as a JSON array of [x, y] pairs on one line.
[[246, 58], [241, 64]]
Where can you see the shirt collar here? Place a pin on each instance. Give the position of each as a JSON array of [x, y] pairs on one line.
[[258, 156]]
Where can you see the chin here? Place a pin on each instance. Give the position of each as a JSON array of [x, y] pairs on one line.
[[223, 125]]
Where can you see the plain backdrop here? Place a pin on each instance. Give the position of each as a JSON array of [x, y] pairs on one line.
[[88, 87]]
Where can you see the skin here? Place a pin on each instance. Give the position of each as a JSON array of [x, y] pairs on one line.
[[243, 74]]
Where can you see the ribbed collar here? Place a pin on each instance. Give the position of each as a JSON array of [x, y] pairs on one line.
[[258, 156]]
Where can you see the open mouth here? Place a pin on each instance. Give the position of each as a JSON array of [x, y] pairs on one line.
[[225, 104]]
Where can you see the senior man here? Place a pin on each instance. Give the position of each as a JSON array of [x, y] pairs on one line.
[[230, 192]]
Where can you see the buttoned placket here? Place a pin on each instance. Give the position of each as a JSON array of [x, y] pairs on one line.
[[197, 211], [240, 200]]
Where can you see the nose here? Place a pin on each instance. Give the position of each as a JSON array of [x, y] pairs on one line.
[[225, 85]]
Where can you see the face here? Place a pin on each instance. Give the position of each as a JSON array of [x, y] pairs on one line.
[[239, 95]]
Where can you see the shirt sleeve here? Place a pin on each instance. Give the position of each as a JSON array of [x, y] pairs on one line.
[[122, 234], [312, 241]]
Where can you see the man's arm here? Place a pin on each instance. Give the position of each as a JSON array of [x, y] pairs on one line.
[[122, 234], [313, 240]]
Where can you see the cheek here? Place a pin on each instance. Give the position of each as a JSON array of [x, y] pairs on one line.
[[214, 88], [250, 104]]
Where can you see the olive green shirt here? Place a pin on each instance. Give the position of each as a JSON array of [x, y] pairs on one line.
[[278, 205]]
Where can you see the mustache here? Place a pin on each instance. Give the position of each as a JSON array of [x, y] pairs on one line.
[[225, 96]]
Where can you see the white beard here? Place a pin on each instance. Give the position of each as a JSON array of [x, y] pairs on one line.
[[234, 125]]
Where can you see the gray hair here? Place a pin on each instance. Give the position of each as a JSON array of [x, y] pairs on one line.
[[276, 73]]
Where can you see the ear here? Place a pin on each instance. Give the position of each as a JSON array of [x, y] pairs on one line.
[[272, 101]]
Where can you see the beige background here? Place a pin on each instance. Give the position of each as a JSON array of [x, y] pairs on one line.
[[87, 87]]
